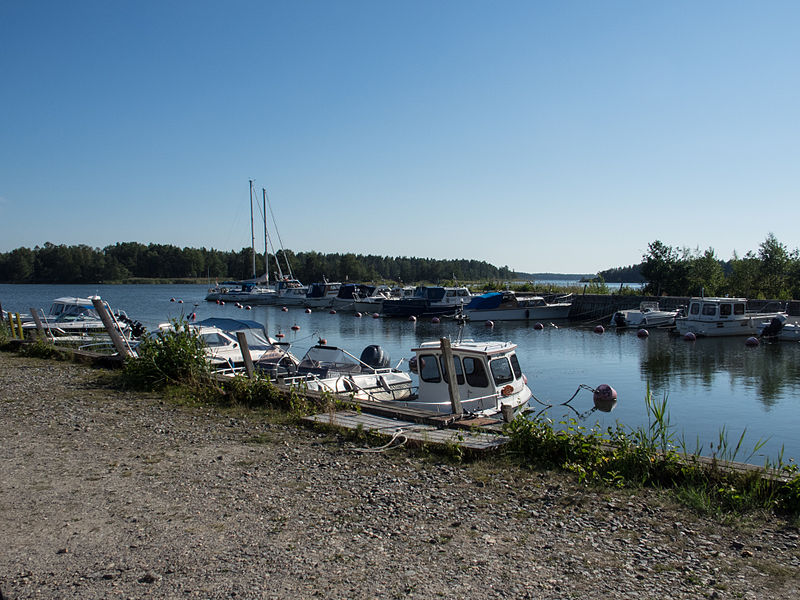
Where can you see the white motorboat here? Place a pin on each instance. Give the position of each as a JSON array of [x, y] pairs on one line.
[[70, 315], [507, 306], [715, 317], [488, 375], [222, 348], [778, 328], [649, 314], [332, 369]]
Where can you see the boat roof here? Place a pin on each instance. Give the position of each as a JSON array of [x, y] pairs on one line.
[[718, 299], [470, 346], [74, 300], [230, 324]]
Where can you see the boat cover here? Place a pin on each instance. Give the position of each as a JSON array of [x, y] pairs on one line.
[[486, 301]]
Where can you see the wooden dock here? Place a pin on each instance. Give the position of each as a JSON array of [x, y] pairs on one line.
[[417, 433]]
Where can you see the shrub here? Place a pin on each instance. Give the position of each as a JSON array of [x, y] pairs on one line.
[[170, 356]]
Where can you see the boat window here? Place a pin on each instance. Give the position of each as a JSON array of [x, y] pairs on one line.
[[213, 340], [709, 310], [694, 309], [725, 310], [429, 368], [738, 309], [476, 374], [515, 366], [459, 371], [501, 371]]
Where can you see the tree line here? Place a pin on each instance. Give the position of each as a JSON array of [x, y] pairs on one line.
[[771, 272], [123, 261]]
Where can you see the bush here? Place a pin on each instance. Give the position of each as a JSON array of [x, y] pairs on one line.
[[170, 356]]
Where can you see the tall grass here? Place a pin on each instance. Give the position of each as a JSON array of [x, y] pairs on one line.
[[649, 456]]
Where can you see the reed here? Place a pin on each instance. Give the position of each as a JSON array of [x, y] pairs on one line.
[[649, 456]]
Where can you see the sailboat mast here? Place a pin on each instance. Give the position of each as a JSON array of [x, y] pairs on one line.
[[252, 231], [266, 239]]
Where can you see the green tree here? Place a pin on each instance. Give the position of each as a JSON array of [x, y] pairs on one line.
[[705, 272]]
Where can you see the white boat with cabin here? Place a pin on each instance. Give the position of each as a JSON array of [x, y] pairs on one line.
[[716, 317], [321, 295]]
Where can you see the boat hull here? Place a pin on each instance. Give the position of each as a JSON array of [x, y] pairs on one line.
[[534, 313]]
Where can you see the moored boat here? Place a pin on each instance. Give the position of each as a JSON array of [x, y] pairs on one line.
[[507, 306], [428, 301], [649, 314], [716, 317]]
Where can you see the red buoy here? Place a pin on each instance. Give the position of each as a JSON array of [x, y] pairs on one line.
[[333, 312], [284, 309], [375, 315], [279, 335], [323, 342], [308, 310], [643, 333], [538, 326], [412, 318], [172, 299], [489, 324], [435, 320], [599, 329], [604, 397], [295, 327], [358, 315], [690, 337], [752, 342]]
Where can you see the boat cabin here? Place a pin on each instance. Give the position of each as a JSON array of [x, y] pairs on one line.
[[712, 309], [488, 374]]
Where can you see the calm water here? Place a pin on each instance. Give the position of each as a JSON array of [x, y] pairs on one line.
[[710, 384]]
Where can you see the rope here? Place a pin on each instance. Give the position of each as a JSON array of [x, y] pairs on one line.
[[398, 433]]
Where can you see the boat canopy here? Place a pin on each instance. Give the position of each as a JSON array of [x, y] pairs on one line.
[[254, 332], [355, 291], [486, 301]]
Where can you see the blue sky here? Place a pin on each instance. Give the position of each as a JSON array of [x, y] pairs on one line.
[[546, 136]]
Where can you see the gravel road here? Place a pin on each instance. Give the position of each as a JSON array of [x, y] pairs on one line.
[[107, 494]]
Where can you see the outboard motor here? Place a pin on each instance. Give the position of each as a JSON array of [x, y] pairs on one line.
[[375, 357], [775, 326], [619, 319]]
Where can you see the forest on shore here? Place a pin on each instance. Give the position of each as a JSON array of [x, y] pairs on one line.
[[771, 271], [125, 261]]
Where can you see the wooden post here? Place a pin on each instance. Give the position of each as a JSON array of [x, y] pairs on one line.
[[19, 326], [452, 382], [11, 325], [245, 348], [39, 327], [111, 327]]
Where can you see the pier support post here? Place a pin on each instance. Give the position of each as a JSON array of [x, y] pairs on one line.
[[111, 327], [452, 382], [40, 332], [245, 348]]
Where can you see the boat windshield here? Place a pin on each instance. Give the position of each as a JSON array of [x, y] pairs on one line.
[[501, 371]]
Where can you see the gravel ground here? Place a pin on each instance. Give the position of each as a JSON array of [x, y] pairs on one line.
[[105, 494]]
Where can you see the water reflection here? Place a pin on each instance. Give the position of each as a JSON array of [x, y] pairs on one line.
[[772, 370]]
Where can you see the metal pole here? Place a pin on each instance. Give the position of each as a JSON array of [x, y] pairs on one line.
[[252, 231]]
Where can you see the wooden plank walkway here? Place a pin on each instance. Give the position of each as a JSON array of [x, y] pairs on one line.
[[416, 432]]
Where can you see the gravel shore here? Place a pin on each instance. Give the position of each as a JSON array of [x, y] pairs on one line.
[[106, 494]]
